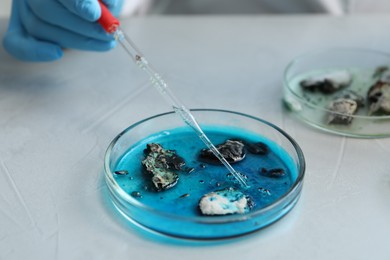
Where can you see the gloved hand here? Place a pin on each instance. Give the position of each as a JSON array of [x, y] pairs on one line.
[[38, 30]]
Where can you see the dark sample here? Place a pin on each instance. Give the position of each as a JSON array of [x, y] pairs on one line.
[[378, 97], [121, 172], [327, 83], [224, 202], [342, 111], [232, 150], [136, 194], [273, 173], [257, 148], [344, 107], [161, 165]]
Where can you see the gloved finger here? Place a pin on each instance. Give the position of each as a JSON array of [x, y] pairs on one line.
[[110, 3], [115, 6], [89, 9], [56, 14], [24, 47], [64, 38], [86, 9]]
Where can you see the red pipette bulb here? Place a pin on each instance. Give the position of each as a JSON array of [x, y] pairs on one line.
[[109, 22]]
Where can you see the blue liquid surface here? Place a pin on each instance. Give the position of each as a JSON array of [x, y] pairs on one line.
[[183, 198]]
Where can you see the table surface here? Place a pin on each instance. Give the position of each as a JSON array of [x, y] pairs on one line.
[[57, 119]]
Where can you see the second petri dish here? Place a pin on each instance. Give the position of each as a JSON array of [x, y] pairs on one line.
[[343, 91]]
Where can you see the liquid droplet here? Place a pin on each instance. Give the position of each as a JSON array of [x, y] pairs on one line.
[[121, 172], [136, 194]]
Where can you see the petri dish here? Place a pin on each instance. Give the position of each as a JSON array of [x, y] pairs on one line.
[[175, 211], [356, 71]]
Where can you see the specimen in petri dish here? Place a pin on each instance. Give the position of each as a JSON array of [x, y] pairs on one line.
[[344, 91], [196, 175], [174, 185], [163, 178]]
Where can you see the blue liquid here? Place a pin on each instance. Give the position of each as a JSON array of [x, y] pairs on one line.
[[183, 198]]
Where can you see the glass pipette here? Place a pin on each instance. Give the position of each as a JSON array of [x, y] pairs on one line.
[[111, 25]]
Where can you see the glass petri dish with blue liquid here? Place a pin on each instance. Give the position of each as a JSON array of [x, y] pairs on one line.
[[162, 178]]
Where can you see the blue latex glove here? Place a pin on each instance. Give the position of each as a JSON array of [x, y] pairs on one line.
[[38, 30]]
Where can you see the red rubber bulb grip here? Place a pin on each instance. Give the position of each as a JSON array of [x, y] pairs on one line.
[[109, 22]]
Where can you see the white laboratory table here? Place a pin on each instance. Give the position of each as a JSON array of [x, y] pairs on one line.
[[56, 120]]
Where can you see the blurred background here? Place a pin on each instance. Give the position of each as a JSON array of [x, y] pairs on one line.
[[242, 7], [5, 8]]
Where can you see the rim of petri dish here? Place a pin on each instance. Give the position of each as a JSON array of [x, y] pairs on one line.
[[323, 109], [111, 182]]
